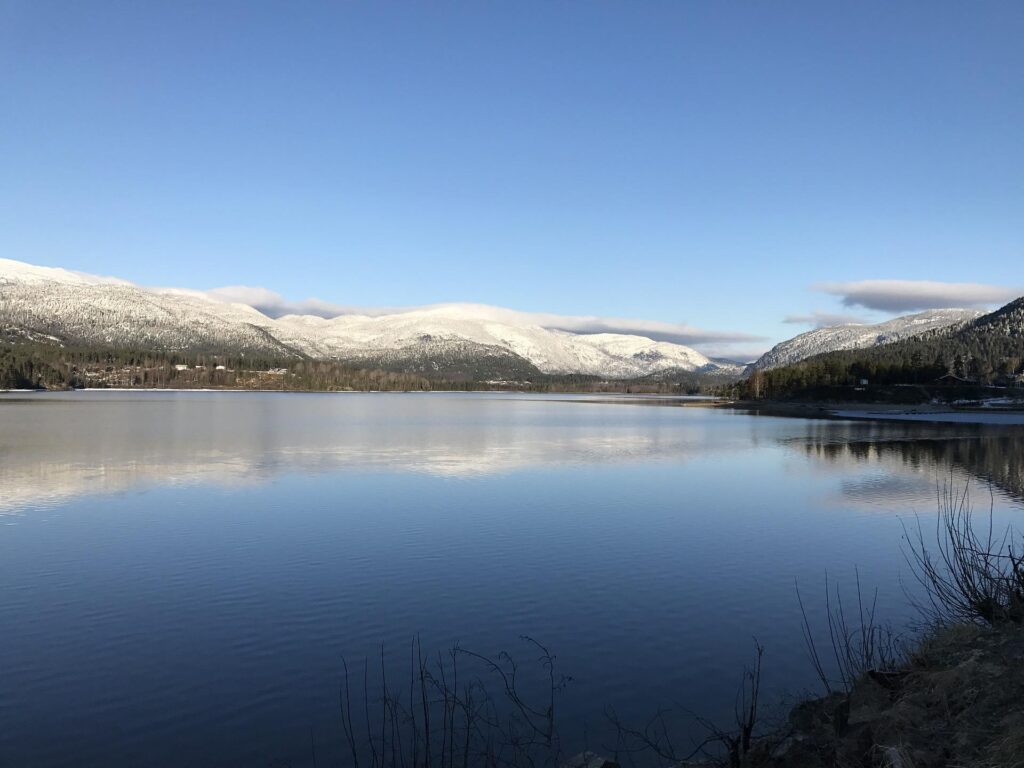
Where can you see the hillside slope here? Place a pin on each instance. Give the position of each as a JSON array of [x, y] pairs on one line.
[[43, 304], [855, 336], [988, 350]]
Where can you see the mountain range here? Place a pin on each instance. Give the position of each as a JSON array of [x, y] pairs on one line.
[[45, 304], [472, 341]]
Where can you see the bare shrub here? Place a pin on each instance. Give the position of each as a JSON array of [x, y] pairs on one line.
[[969, 575], [860, 644], [721, 746], [446, 716]]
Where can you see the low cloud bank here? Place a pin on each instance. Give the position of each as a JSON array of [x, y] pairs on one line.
[[825, 319], [917, 295]]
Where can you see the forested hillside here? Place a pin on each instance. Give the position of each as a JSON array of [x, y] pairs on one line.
[[50, 366], [987, 351], [41, 366]]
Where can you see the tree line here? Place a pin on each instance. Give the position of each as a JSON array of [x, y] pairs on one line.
[[51, 366], [46, 366]]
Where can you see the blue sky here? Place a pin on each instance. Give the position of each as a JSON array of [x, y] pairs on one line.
[[714, 164]]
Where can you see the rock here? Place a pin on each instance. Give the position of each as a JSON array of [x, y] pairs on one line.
[[868, 700], [828, 713], [894, 757], [958, 701], [589, 760], [890, 680]]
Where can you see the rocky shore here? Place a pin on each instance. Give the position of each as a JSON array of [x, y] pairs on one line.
[[958, 702]]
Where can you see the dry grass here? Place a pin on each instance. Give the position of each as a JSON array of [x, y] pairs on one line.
[[1006, 751]]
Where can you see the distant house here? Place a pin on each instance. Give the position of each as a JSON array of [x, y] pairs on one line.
[[181, 367], [952, 378]]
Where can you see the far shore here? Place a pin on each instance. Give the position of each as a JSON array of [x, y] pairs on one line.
[[926, 412], [999, 415]]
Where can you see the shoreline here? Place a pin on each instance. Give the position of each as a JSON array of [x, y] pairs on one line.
[[831, 411], [840, 411], [954, 700]]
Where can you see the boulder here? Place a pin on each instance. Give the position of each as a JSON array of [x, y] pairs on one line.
[[589, 760]]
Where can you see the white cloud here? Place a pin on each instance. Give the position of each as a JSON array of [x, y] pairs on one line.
[[917, 295], [679, 333], [821, 319], [99, 279], [275, 305]]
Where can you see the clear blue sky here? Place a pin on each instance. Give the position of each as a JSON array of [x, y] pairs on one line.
[[685, 161]]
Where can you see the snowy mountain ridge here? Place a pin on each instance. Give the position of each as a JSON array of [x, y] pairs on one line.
[[57, 305], [858, 336]]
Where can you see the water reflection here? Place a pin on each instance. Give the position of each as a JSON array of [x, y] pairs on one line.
[[57, 446], [917, 461]]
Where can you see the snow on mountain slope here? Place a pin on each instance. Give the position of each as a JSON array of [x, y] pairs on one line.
[[45, 303], [18, 271], [551, 351], [856, 336], [1006, 321]]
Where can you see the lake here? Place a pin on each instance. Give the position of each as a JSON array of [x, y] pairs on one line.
[[181, 573]]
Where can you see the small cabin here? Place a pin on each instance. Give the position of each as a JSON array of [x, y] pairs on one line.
[[952, 378]]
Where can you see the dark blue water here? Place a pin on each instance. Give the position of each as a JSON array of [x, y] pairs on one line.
[[180, 573]]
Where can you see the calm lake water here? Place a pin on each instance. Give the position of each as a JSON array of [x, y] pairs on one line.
[[180, 573]]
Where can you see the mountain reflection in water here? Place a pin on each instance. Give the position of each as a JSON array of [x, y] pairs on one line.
[[60, 445]]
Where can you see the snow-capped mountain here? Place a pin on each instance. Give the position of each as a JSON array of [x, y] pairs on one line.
[[48, 304], [858, 336]]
